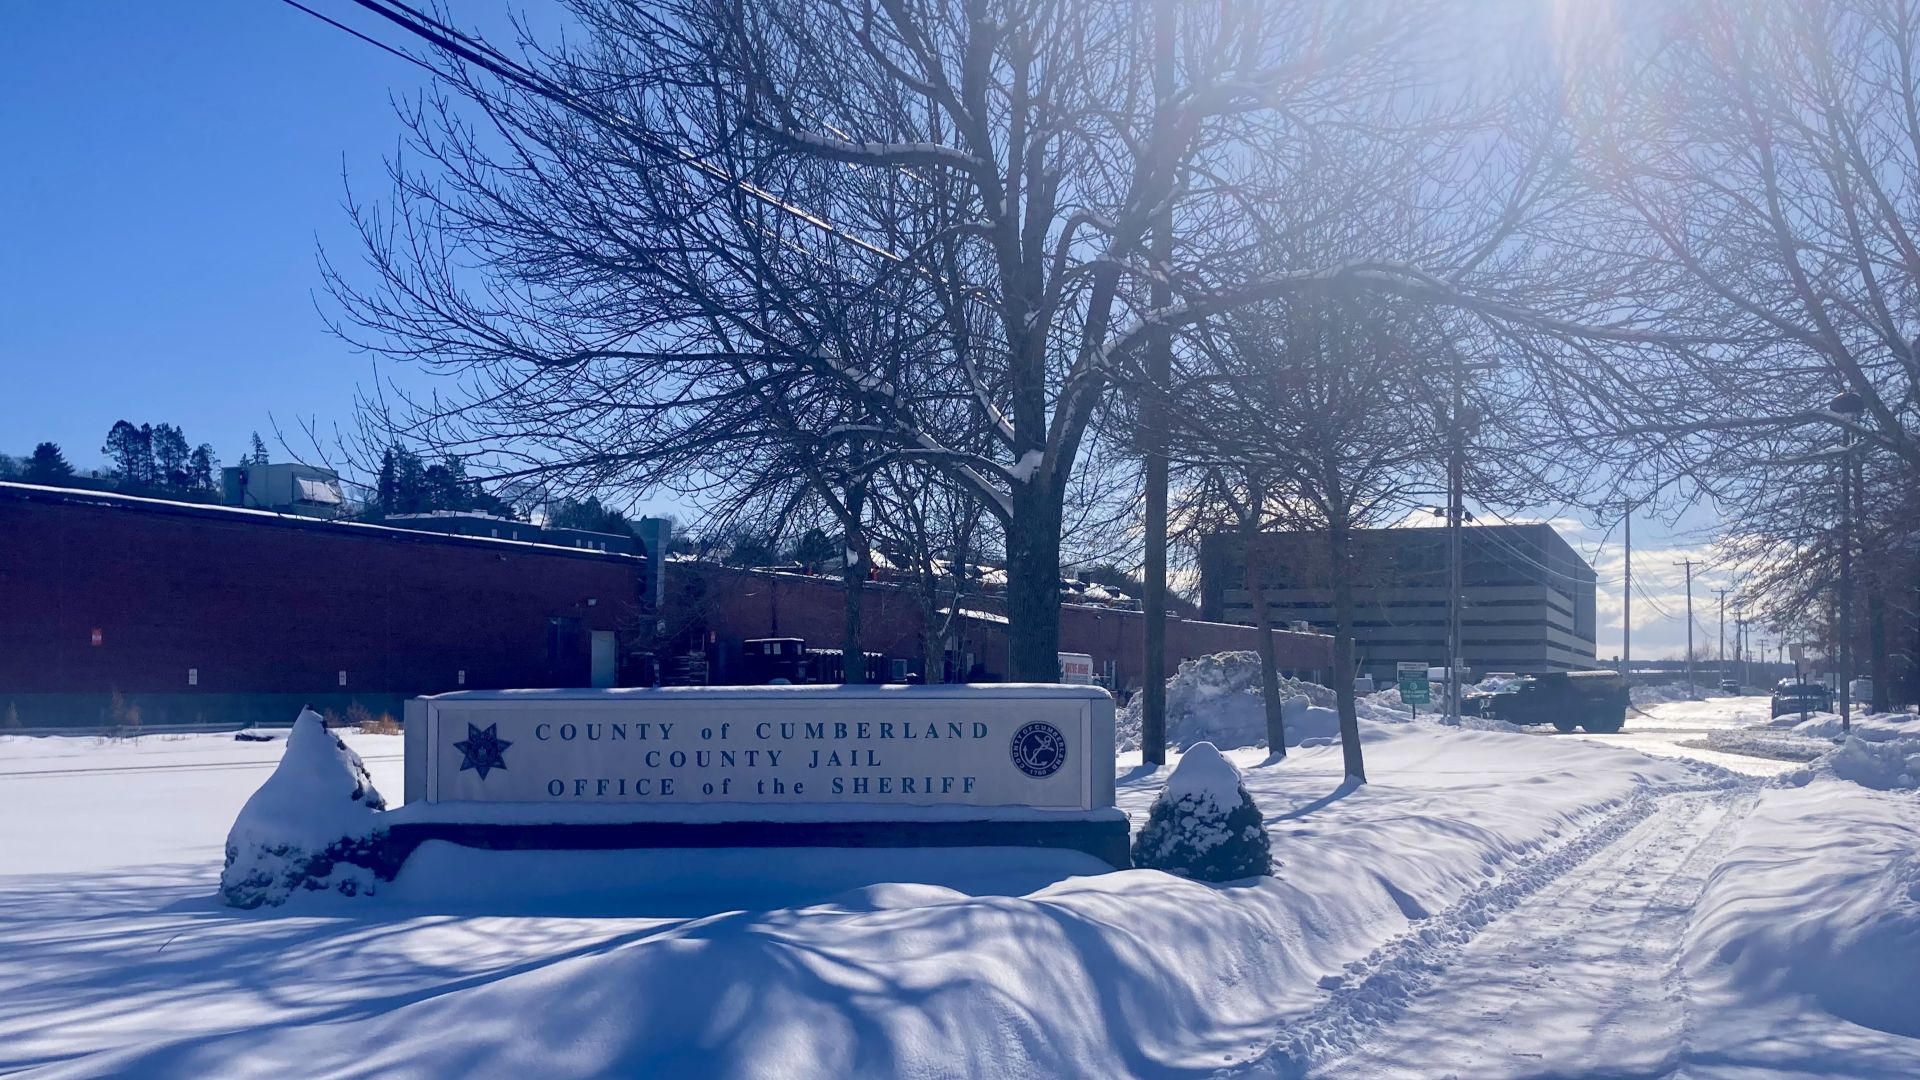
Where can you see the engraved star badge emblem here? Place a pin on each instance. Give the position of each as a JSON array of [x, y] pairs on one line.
[[482, 750]]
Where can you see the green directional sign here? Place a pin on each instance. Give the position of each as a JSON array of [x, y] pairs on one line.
[[1412, 677]]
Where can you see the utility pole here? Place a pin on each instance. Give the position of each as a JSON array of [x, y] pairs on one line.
[[1456, 509], [1740, 646], [1723, 633], [1692, 693], [1626, 606], [1845, 689], [1159, 360], [1850, 406]]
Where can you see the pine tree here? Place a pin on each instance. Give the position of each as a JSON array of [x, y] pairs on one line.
[[47, 466], [409, 484], [446, 485], [259, 451], [131, 451], [591, 515], [813, 548], [201, 468], [385, 494], [1204, 825], [752, 549], [172, 458]]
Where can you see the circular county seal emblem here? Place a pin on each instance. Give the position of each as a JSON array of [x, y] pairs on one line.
[[1039, 749]]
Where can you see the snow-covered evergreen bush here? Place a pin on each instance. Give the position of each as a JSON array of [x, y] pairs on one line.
[[1204, 825], [312, 826]]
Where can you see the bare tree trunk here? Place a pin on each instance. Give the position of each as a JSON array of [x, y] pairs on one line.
[[1338, 536], [1877, 649], [1153, 691], [853, 576], [1263, 633], [1033, 585], [933, 646]]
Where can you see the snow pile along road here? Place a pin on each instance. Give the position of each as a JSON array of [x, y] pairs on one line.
[[1667, 692], [1804, 954], [1881, 752], [1216, 699]]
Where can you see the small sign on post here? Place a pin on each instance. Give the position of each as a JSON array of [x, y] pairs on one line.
[[1412, 677]]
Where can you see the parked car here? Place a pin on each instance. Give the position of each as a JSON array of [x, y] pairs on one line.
[[1729, 686], [1799, 696], [1594, 700]]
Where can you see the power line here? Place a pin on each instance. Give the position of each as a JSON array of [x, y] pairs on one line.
[[373, 41], [487, 58], [1488, 531]]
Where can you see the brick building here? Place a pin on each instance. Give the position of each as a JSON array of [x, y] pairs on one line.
[[204, 614], [195, 612]]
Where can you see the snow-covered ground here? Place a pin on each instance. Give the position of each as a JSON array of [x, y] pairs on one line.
[[1710, 730], [1491, 905]]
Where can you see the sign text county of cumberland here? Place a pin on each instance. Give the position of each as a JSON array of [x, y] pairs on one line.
[[932, 752]]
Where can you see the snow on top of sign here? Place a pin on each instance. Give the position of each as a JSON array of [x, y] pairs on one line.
[[1207, 776], [932, 691]]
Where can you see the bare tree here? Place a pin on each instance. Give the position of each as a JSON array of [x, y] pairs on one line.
[[674, 216], [1308, 399], [1758, 164], [1234, 498], [931, 532]]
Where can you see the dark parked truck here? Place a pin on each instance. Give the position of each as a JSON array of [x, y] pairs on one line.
[[1796, 696], [1594, 700]]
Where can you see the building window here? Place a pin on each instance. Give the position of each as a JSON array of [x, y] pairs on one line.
[[899, 671]]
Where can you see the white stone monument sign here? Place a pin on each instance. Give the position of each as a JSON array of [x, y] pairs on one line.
[[756, 749]]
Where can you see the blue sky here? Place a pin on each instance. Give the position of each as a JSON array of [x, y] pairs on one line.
[[172, 169]]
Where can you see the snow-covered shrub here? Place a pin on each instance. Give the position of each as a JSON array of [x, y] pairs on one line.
[[1204, 825], [312, 826]]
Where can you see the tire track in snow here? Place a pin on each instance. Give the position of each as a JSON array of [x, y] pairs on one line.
[[1379, 988]]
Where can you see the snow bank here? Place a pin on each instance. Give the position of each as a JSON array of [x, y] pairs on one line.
[[1818, 900], [1204, 825], [672, 974], [1874, 727], [1666, 692], [1888, 765], [1882, 752], [310, 826], [1306, 721], [1216, 699]]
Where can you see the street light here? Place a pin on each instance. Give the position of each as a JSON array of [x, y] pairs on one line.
[[1849, 406]]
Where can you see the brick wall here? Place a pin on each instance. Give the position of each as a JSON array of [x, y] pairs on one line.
[[267, 611], [738, 604], [255, 603]]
